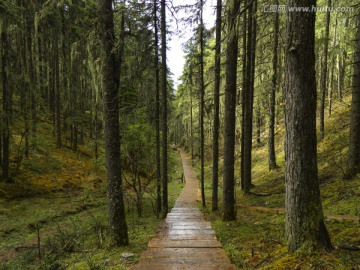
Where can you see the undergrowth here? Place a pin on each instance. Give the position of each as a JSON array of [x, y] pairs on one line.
[[54, 215], [256, 240]]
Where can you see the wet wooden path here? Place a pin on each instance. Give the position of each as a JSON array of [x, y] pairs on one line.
[[185, 240]]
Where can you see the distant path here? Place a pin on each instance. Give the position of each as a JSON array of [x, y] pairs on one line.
[[185, 240]]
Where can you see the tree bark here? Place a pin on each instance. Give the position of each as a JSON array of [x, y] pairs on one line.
[[202, 105], [110, 84], [332, 80], [164, 127], [249, 99], [191, 124], [5, 103], [230, 106], [342, 69], [272, 96], [324, 73], [30, 42], [354, 147], [243, 92], [258, 124], [305, 229], [157, 105], [57, 91], [215, 179], [25, 93]]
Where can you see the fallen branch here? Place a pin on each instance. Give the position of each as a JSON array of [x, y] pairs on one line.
[[261, 194], [263, 261], [352, 248], [25, 247]]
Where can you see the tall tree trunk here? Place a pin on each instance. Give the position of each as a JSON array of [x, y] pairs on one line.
[[5, 103], [305, 227], [52, 82], [164, 128], [110, 84], [332, 80], [354, 147], [243, 93], [25, 94], [331, 85], [215, 179], [342, 69], [324, 71], [230, 106], [57, 91], [1, 141], [69, 65], [157, 105], [272, 96], [96, 131], [32, 77], [202, 105], [191, 124], [249, 99], [39, 69], [258, 124]]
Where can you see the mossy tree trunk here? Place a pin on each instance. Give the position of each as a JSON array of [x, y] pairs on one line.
[[5, 105], [230, 106], [342, 69], [202, 106], [57, 90], [324, 74], [354, 148], [248, 102], [305, 227], [243, 92], [216, 129], [272, 96], [164, 125], [157, 110], [110, 84]]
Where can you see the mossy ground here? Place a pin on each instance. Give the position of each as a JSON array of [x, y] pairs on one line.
[[256, 240], [62, 194]]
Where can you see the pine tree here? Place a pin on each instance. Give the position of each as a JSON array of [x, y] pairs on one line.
[[324, 74], [271, 139], [354, 147], [110, 82], [157, 101], [305, 226], [215, 180], [230, 104], [164, 173]]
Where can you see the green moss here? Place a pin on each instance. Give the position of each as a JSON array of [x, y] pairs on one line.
[[256, 240], [73, 222]]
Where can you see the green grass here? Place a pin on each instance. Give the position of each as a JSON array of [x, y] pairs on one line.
[[74, 229], [256, 240]]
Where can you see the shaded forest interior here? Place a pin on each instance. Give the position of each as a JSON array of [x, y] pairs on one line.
[[267, 106]]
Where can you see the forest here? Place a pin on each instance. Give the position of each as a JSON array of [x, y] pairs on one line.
[[94, 129]]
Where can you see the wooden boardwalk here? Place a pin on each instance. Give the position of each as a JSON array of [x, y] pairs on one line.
[[185, 240]]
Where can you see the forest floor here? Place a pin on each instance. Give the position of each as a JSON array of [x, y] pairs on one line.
[[54, 215], [256, 239], [57, 205]]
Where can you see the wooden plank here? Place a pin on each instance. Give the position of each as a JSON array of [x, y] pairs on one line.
[[184, 240], [184, 243], [202, 266], [185, 252]]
